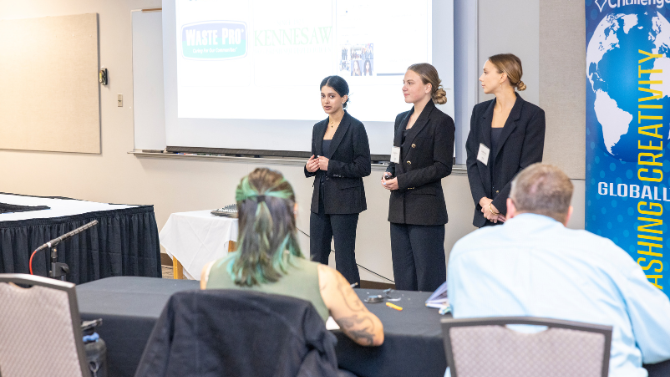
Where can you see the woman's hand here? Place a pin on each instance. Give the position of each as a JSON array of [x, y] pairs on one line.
[[323, 163], [499, 216], [493, 209], [389, 184], [490, 212], [312, 164], [484, 203], [490, 216]]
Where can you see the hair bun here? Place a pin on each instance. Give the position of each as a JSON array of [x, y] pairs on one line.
[[440, 96], [520, 86]]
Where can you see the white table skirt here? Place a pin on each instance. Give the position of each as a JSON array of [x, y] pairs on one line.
[[198, 237], [58, 207]]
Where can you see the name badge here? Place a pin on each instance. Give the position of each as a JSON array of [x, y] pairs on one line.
[[395, 155], [483, 154]]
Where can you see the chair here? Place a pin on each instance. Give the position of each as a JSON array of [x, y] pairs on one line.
[[40, 328], [485, 347], [238, 333]]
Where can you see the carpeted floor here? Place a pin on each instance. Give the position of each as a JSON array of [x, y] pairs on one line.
[[167, 272]]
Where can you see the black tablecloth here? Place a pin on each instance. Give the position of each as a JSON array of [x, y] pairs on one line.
[[124, 243], [412, 345]]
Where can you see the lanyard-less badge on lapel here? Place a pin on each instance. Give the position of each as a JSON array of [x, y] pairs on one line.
[[483, 155], [395, 155]]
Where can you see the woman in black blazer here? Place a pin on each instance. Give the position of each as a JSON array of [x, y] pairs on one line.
[[423, 150], [340, 159], [506, 136]]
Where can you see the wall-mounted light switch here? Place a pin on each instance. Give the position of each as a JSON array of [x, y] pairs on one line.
[[120, 100]]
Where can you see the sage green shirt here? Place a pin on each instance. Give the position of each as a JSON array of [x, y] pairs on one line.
[[301, 281]]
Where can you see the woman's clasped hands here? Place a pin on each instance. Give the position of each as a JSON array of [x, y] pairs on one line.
[[490, 212], [317, 162]]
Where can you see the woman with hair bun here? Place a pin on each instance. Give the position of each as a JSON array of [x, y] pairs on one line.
[[506, 136], [340, 159], [423, 150]]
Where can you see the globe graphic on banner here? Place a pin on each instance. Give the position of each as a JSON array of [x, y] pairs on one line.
[[612, 57]]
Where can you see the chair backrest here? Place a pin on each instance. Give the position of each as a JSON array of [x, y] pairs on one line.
[[485, 347], [40, 328]]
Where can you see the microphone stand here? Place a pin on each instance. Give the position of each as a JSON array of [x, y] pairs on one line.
[[60, 270]]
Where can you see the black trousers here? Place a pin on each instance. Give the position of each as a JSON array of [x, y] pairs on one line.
[[418, 256], [323, 228]]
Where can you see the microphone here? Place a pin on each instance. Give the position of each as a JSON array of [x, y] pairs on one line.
[[57, 240], [58, 270]]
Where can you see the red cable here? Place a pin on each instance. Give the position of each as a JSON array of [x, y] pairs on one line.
[[30, 264]]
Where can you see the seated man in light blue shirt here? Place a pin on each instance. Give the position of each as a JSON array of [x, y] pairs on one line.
[[534, 266]]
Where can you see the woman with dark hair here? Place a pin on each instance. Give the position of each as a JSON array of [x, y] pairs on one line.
[[506, 135], [423, 150], [367, 70], [340, 159], [268, 259]]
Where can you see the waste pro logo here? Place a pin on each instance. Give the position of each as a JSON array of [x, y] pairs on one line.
[[214, 40]]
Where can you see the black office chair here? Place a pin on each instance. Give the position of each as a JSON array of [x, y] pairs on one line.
[[40, 328], [483, 347], [238, 333]]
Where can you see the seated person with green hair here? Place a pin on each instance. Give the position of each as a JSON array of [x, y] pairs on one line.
[[269, 260]]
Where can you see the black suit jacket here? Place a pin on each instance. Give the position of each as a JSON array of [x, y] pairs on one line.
[[521, 144], [238, 333], [426, 156], [349, 161]]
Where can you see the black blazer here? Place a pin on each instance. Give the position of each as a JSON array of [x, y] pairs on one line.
[[521, 144], [426, 156], [349, 161]]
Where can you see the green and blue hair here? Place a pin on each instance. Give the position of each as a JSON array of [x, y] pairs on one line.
[[267, 237]]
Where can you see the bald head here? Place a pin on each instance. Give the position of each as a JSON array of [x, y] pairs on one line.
[[544, 190]]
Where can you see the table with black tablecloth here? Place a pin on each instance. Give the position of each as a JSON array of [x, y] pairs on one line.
[[129, 307], [124, 243]]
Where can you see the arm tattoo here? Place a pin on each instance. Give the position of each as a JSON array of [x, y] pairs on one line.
[[365, 333], [350, 298]]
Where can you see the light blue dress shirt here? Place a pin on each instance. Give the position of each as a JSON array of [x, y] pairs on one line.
[[534, 266]]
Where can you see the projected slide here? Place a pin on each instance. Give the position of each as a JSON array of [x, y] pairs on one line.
[[264, 59]]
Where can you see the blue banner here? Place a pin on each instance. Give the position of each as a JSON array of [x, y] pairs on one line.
[[627, 116]]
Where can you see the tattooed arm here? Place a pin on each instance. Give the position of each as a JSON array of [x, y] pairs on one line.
[[347, 309]]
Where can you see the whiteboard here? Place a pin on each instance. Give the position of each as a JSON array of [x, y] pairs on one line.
[[148, 97]]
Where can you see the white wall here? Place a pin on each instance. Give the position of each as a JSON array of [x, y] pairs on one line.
[[175, 185], [512, 26]]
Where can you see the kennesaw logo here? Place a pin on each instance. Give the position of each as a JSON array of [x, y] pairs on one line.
[[214, 40], [622, 3]]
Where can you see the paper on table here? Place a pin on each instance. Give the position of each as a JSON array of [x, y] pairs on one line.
[[439, 298], [331, 324]]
